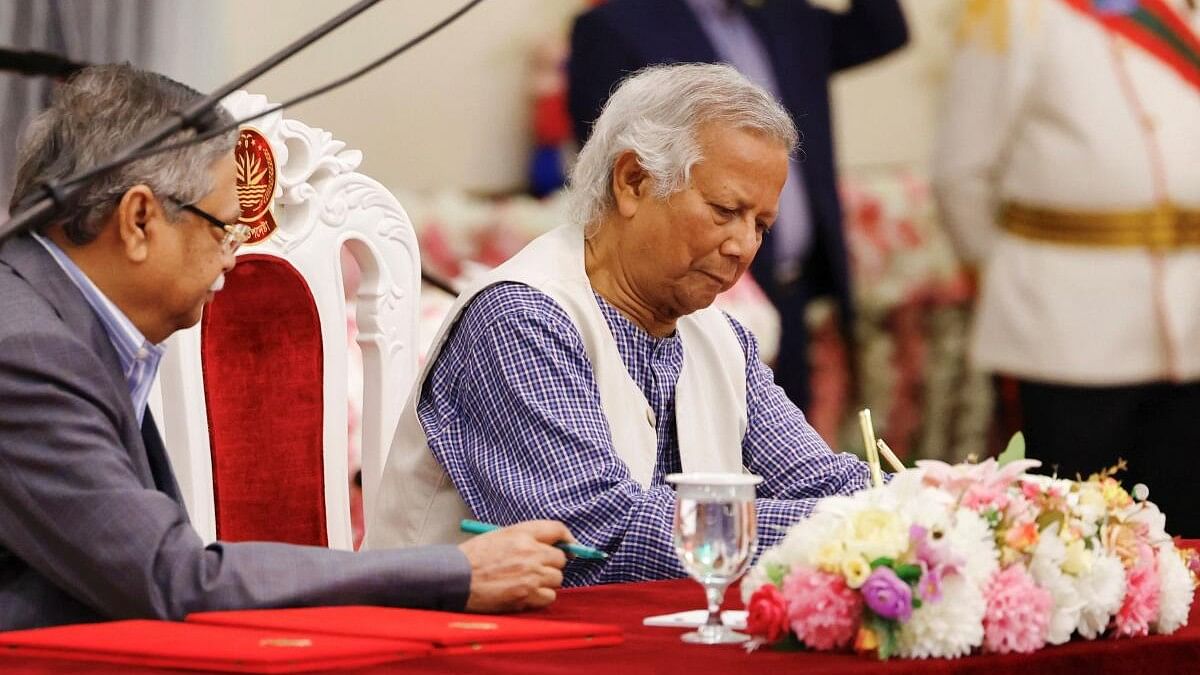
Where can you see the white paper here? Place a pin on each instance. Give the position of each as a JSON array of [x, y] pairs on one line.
[[694, 618]]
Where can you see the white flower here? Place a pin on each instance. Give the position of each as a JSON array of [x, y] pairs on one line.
[[1088, 506], [1046, 569], [845, 506], [1148, 514], [1102, 589], [877, 533], [906, 485], [805, 538], [971, 538], [1175, 596], [930, 508], [948, 628], [835, 6]]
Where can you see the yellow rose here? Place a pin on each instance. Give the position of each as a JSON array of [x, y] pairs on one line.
[[1078, 559], [856, 570], [1115, 495], [878, 533], [1089, 495], [830, 555]]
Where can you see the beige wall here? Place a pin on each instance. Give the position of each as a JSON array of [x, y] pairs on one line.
[[451, 112], [454, 111], [886, 112]]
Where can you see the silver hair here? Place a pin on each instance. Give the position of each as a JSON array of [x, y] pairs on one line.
[[657, 113], [101, 110]]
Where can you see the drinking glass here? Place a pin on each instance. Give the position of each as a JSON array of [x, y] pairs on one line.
[[715, 534]]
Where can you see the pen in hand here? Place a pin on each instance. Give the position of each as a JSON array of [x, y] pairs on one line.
[[577, 550]]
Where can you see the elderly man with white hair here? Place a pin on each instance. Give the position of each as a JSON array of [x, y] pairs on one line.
[[572, 379]]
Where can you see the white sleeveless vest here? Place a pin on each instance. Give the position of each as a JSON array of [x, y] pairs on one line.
[[417, 504]]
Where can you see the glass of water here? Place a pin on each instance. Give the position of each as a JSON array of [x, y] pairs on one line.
[[715, 535]]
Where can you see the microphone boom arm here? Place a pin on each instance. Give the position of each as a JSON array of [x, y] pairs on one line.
[[60, 195]]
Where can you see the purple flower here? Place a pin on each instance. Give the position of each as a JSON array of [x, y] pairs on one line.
[[887, 595]]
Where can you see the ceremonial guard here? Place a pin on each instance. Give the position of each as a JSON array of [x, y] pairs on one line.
[[1068, 171]]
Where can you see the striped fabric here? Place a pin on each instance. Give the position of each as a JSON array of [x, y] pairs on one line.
[[1153, 26], [512, 411], [138, 357]]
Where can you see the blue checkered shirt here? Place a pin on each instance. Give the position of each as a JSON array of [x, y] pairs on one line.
[[139, 358], [512, 410]]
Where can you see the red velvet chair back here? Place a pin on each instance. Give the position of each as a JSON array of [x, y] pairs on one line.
[[262, 361]]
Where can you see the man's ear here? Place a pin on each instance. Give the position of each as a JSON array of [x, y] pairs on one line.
[[137, 215], [630, 183]]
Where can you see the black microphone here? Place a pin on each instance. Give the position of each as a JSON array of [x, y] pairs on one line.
[[35, 63]]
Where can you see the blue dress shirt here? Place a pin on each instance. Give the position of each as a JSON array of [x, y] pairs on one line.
[[512, 410], [139, 358]]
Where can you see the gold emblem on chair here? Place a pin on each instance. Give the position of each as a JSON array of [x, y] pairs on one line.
[[255, 165]]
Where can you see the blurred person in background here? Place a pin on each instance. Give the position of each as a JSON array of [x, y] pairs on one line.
[[790, 48], [1067, 169]]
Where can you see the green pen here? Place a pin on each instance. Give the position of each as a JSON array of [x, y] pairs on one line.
[[577, 550]]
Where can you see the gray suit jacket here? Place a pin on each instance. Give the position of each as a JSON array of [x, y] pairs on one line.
[[85, 535]]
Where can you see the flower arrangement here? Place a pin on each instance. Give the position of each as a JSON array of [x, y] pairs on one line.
[[949, 560]]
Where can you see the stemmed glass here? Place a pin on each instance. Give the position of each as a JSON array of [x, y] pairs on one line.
[[715, 534]]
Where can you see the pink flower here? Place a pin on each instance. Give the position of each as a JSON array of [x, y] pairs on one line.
[[982, 496], [1030, 489], [929, 587], [957, 478], [1191, 555], [767, 613], [1140, 606], [1017, 618], [935, 562], [824, 612]]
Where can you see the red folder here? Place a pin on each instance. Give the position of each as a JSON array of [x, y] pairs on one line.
[[197, 646], [450, 633]]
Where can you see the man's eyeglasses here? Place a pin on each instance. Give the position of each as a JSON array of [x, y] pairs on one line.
[[235, 235]]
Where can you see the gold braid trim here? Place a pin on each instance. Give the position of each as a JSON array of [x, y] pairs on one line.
[[1165, 227]]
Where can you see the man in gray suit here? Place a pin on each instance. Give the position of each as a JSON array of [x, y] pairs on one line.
[[91, 523]]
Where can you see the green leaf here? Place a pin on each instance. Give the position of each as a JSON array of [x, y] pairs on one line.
[[916, 602], [1014, 451], [882, 561], [888, 646], [908, 573], [885, 632], [992, 516], [776, 573]]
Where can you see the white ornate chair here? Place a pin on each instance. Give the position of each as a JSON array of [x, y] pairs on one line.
[[253, 400]]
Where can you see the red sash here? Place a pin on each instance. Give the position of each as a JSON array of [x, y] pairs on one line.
[[1154, 27]]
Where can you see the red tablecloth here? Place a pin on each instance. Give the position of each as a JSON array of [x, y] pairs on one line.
[[659, 650]]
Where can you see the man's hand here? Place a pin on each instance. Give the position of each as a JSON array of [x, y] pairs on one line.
[[516, 567]]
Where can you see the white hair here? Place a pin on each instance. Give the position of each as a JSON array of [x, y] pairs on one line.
[[657, 113]]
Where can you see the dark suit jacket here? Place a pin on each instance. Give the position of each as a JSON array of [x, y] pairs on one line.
[[85, 533], [806, 46]]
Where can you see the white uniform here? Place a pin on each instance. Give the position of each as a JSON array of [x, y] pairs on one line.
[[1050, 112]]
